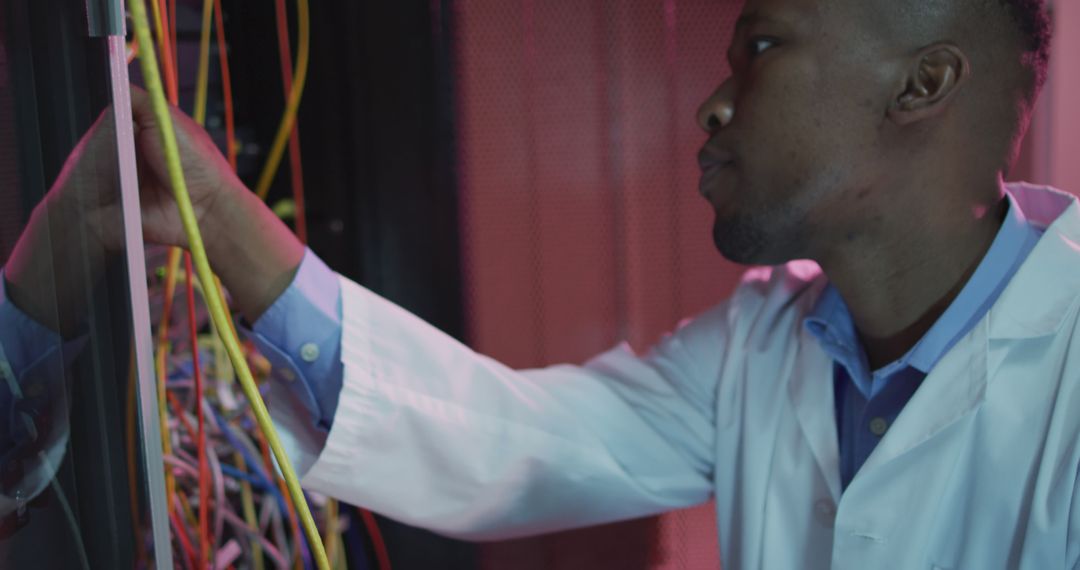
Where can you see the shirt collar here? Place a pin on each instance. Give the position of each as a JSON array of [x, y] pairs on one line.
[[831, 323], [1010, 248]]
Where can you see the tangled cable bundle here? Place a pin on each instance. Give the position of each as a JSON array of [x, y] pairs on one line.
[[249, 518], [229, 503]]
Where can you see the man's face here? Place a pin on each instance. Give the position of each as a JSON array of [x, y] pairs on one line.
[[793, 148]]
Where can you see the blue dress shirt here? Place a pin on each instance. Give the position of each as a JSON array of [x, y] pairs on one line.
[[32, 359], [300, 334], [868, 402]]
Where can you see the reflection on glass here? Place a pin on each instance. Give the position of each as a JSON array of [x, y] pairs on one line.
[[70, 477]]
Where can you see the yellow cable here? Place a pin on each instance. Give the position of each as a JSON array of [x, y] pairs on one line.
[[159, 27], [189, 513], [202, 264], [328, 534], [249, 515], [204, 63], [292, 103], [332, 535]]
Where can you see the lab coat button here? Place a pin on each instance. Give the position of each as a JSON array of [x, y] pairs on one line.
[[309, 352], [287, 374], [825, 512], [878, 426]]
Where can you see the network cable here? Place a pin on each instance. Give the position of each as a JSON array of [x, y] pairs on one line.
[[218, 313]]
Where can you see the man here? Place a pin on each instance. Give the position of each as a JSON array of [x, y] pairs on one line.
[[903, 400]]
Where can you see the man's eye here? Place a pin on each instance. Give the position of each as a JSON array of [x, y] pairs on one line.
[[759, 45]]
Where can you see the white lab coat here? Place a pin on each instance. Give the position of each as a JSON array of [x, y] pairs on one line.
[[978, 472]]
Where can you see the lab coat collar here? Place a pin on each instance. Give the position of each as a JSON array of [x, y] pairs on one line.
[[955, 387], [1036, 301], [811, 393], [1034, 304]]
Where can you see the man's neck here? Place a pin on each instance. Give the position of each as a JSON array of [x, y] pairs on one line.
[[897, 287]]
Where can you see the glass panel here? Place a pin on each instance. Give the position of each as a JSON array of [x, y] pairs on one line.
[[72, 482]]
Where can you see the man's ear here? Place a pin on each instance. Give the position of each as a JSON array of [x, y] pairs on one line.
[[939, 72]]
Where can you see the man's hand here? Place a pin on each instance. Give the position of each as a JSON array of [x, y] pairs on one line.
[[87, 184], [79, 224]]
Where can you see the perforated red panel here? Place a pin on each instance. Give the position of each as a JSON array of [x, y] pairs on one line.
[[582, 224]]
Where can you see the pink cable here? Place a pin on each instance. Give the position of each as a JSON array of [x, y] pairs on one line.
[[218, 479], [236, 521]]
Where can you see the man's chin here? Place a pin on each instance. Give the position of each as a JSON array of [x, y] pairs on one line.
[[745, 244]]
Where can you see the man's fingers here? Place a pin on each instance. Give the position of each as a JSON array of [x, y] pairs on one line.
[[142, 111]]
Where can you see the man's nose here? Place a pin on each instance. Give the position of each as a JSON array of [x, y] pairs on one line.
[[719, 109]]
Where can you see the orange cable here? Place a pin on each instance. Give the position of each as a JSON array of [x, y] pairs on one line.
[[167, 59], [295, 166], [132, 51], [129, 443], [226, 86], [170, 80]]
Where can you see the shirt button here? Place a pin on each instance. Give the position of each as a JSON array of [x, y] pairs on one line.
[[309, 352], [825, 512], [878, 426], [287, 374]]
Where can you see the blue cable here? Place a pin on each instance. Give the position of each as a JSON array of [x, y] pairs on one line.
[[238, 474], [253, 464], [264, 482]]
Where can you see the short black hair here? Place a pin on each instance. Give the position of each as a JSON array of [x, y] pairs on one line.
[[1032, 18]]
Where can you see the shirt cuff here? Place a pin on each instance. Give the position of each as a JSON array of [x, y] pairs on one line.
[[300, 334]]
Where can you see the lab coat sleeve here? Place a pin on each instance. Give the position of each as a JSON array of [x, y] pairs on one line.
[[432, 434], [1072, 549]]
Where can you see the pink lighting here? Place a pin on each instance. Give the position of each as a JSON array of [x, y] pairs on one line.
[[1064, 95]]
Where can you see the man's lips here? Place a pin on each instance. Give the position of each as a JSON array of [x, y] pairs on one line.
[[712, 161], [712, 155]]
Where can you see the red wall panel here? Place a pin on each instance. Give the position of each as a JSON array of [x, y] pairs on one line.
[[582, 225]]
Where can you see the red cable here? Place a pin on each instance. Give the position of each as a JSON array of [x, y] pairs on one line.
[[381, 554], [186, 550], [226, 86], [167, 57], [172, 30], [178, 409], [204, 468], [295, 167]]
